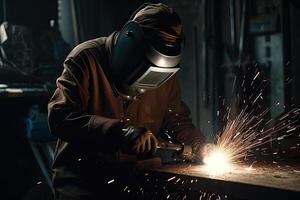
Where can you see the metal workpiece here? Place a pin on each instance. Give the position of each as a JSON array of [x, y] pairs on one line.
[[170, 146], [243, 182]]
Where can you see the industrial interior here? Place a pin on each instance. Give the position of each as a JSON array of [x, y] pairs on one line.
[[239, 75]]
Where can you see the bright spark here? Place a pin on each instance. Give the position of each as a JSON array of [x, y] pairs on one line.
[[171, 178], [217, 161], [251, 131], [242, 136]]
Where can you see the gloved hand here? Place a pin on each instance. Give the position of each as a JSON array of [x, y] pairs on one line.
[[135, 140], [195, 151], [207, 149], [144, 143]]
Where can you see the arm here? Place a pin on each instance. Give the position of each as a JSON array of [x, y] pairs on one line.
[[67, 109], [177, 120]]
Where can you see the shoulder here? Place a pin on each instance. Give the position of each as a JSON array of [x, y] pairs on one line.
[[78, 62], [96, 46]]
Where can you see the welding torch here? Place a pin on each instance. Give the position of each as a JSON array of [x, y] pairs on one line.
[[176, 150]]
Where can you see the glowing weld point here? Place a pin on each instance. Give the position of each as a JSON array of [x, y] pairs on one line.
[[249, 168], [217, 162]]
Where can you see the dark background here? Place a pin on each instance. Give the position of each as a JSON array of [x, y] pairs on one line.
[[225, 39]]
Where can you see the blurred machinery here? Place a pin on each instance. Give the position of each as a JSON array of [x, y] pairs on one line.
[[30, 55]]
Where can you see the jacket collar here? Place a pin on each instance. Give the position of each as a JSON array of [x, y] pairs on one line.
[[109, 45]]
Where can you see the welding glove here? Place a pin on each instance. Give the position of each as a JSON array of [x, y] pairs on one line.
[[203, 151], [134, 140], [207, 149], [197, 148]]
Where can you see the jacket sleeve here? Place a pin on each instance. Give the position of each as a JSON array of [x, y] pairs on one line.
[[177, 120], [67, 110]]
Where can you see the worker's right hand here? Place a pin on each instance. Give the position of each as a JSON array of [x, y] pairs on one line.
[[207, 149]]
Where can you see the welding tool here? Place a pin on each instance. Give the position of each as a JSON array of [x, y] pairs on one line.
[[178, 148], [170, 143], [171, 150]]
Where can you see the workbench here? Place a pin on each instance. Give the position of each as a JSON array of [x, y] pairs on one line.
[[192, 181]]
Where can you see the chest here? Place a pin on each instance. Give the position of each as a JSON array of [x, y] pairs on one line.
[[146, 111]]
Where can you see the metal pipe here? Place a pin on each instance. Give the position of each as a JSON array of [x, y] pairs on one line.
[[74, 21], [197, 73], [242, 30], [4, 10], [232, 23], [204, 53]]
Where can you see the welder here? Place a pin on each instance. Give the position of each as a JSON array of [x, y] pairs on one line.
[[114, 98]]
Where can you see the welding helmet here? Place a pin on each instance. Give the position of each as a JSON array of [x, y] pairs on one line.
[[140, 63]]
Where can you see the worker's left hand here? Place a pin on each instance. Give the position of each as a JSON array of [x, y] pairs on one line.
[[145, 143], [134, 140]]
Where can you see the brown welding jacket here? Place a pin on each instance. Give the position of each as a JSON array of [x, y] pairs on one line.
[[85, 105]]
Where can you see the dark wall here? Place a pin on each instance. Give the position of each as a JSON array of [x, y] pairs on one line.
[[30, 12], [93, 18], [295, 49]]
